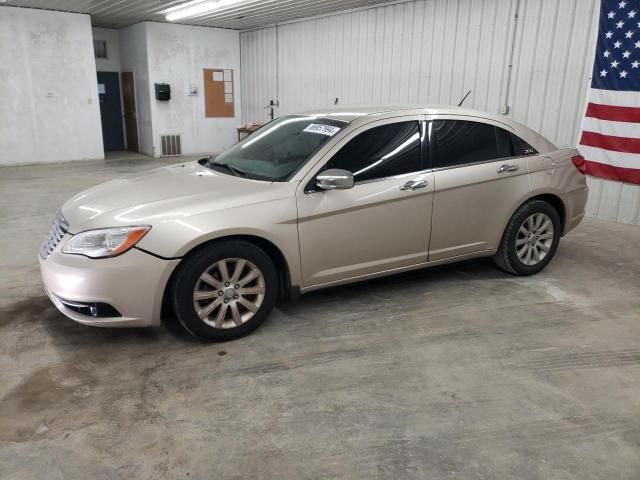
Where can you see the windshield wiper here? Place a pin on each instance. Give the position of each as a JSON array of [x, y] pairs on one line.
[[241, 173], [234, 171], [211, 163]]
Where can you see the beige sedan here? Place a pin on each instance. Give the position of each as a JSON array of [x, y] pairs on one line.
[[310, 201]]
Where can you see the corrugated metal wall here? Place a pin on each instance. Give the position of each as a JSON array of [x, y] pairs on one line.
[[433, 52], [258, 72]]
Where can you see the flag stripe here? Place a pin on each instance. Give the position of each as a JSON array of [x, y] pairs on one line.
[[609, 142], [616, 114], [617, 159], [614, 98], [611, 172], [606, 127]]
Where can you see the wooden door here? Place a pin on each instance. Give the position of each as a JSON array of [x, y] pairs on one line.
[[130, 117]]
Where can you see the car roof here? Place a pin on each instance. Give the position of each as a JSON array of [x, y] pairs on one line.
[[360, 113], [353, 112]]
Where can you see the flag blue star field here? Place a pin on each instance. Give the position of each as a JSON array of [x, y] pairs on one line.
[[610, 139]]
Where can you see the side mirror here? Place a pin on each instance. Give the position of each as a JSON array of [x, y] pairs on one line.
[[335, 179]]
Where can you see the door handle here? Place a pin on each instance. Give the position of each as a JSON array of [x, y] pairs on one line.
[[507, 168], [414, 185]]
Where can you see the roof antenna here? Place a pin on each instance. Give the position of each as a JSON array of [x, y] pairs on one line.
[[336, 101], [464, 98]]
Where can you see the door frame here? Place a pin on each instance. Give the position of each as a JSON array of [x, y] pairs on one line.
[[311, 169]]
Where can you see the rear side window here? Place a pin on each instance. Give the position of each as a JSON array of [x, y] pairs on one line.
[[521, 147], [457, 142], [381, 152]]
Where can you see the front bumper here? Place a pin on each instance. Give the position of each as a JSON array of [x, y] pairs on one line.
[[132, 283]]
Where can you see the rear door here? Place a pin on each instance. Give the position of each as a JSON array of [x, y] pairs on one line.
[[479, 181]]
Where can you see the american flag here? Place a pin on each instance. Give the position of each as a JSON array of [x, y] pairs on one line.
[[610, 139]]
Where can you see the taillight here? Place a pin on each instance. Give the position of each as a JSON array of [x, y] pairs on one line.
[[580, 163]]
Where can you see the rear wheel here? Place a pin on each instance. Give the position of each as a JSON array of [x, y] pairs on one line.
[[530, 240], [225, 291]]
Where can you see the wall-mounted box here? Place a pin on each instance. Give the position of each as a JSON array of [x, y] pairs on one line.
[[163, 92]]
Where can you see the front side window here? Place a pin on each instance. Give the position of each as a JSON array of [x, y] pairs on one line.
[[458, 142], [278, 149], [381, 152]]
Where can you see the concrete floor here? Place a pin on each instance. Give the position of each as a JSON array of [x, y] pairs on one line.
[[455, 372]]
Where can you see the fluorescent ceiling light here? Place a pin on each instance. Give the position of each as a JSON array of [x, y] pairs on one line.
[[195, 8]]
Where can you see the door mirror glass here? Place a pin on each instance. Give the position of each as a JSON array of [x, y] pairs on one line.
[[334, 179]]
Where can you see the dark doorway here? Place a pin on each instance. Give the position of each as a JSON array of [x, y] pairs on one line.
[[110, 111], [130, 118]]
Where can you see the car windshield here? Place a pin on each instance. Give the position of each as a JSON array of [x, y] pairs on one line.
[[278, 149]]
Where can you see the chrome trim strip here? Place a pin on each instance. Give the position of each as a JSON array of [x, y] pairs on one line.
[[494, 160]]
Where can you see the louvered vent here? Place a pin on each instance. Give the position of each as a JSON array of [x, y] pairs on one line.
[[58, 229], [171, 146]]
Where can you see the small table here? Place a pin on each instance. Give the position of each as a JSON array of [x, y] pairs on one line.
[[247, 129]]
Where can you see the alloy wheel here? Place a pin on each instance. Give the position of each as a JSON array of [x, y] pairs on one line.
[[534, 239], [229, 293]]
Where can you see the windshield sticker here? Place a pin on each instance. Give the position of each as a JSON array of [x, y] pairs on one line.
[[328, 130]]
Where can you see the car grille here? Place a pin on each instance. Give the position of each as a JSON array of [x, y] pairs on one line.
[[58, 230]]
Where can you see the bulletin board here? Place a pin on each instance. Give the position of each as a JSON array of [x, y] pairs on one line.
[[219, 93]]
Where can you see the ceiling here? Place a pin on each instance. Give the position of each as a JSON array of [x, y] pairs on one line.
[[245, 15]]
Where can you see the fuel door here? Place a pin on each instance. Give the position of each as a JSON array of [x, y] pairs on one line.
[[549, 165]]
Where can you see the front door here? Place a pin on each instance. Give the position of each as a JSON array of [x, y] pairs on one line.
[[110, 111], [480, 180], [380, 224]]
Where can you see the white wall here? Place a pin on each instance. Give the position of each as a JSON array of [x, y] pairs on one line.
[[134, 58], [49, 109], [177, 55], [433, 52], [112, 37]]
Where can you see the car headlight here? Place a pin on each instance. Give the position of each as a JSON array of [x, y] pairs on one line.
[[105, 242]]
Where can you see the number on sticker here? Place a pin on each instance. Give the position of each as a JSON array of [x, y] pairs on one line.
[[328, 130]]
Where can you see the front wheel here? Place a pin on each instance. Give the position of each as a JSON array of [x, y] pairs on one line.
[[530, 240], [225, 291]]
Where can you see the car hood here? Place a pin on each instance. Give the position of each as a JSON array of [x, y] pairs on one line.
[[165, 194]]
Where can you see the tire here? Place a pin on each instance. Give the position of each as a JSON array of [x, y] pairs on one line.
[[203, 272], [521, 236]]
